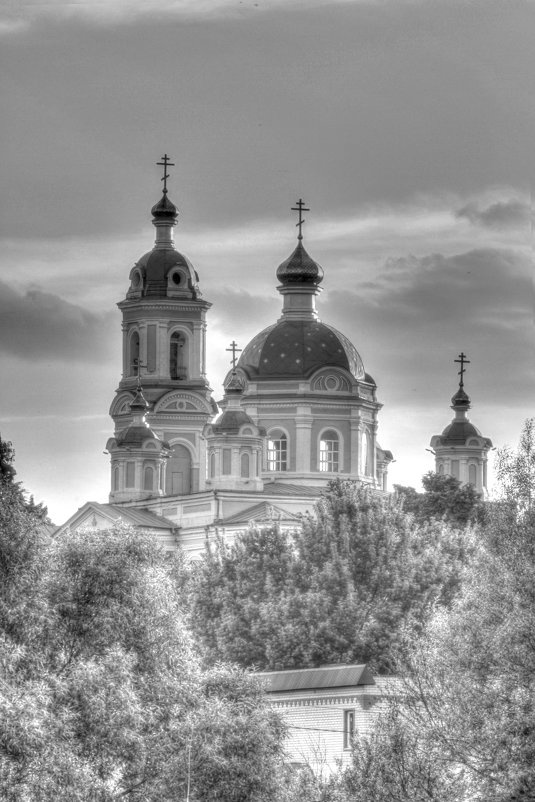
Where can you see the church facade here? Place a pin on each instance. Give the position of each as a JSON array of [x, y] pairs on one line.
[[298, 410]]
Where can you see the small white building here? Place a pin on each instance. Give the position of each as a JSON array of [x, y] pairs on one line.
[[324, 709]]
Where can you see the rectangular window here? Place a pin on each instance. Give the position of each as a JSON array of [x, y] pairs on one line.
[[349, 728], [226, 461], [278, 454], [329, 455], [130, 474]]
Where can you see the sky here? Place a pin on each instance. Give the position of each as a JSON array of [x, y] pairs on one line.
[[407, 126]]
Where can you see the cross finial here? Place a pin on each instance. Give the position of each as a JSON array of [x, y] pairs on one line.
[[234, 348], [462, 361], [165, 163], [300, 207]]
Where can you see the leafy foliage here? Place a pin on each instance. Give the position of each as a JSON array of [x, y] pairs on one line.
[[462, 727], [444, 497], [340, 589], [102, 694]]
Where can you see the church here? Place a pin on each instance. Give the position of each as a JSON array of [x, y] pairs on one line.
[[299, 408]]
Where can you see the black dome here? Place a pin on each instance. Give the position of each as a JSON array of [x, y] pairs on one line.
[[300, 268], [298, 348], [458, 432], [155, 266]]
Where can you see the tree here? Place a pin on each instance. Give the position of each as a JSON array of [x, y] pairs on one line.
[[444, 497], [102, 694], [339, 589], [462, 726]]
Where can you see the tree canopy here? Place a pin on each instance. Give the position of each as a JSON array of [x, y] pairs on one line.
[[444, 497], [339, 589], [102, 693], [462, 726]]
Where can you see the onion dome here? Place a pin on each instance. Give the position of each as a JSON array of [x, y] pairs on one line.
[[300, 268], [460, 400], [165, 209], [297, 348]]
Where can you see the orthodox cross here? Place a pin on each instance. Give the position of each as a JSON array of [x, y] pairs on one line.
[[234, 348], [165, 163], [462, 361], [300, 207]]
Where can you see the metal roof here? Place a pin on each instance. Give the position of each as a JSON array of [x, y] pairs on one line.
[[283, 489], [316, 678], [142, 518]]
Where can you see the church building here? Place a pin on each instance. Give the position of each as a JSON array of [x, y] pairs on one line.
[[298, 409]]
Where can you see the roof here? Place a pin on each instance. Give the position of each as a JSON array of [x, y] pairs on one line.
[[282, 489], [458, 432], [300, 268], [155, 267], [298, 348], [300, 679], [231, 420], [137, 517], [260, 512]]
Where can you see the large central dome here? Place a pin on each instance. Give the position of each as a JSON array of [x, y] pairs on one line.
[[297, 348]]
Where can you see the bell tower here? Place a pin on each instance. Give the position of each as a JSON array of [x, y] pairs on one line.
[[164, 333]]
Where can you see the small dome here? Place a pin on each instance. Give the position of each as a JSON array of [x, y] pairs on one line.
[[460, 400], [164, 209], [458, 432], [231, 421], [300, 268], [297, 348], [156, 265], [136, 435]]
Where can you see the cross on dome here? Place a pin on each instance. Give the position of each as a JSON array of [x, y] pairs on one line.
[[165, 163], [234, 348], [300, 207], [462, 361]]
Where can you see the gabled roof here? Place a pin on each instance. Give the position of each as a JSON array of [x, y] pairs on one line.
[[259, 512], [131, 515], [316, 678]]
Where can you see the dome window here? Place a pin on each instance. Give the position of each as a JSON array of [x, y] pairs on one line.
[[277, 452], [329, 452]]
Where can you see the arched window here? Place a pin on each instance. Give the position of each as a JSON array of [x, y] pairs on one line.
[[277, 451], [244, 466], [212, 464], [134, 353], [177, 367], [441, 469], [148, 478], [472, 475], [116, 478], [329, 452]]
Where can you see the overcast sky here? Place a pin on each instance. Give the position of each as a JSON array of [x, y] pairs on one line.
[[407, 127]]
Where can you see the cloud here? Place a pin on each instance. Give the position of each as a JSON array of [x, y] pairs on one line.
[[503, 214], [128, 11], [420, 312], [40, 325]]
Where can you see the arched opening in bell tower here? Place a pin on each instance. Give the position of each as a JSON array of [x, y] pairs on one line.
[[133, 361], [178, 472], [177, 356]]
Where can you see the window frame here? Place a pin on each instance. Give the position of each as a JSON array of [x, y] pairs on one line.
[[277, 456]]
